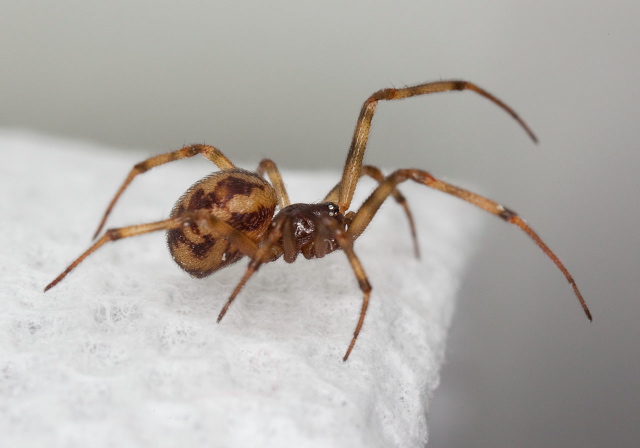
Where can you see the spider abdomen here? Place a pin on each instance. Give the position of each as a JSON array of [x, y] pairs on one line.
[[242, 199]]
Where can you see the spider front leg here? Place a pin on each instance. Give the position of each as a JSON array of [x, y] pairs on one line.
[[210, 152], [365, 214], [376, 174], [353, 164], [201, 218], [346, 244]]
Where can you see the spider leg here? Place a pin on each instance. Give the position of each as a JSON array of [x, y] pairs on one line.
[[210, 152], [376, 174], [353, 165], [263, 254], [346, 245], [235, 237], [271, 168], [369, 208]]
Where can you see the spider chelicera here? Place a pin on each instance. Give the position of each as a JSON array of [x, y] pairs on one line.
[[230, 213]]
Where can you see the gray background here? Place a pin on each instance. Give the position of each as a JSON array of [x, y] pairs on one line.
[[286, 80]]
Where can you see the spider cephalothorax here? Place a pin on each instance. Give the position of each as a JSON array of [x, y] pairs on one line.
[[230, 213], [309, 229]]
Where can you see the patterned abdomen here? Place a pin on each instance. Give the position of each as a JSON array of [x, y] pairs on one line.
[[241, 198]]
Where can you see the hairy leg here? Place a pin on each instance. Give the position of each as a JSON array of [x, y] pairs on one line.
[[347, 247], [210, 152], [202, 218], [265, 253], [352, 167], [269, 166], [365, 214], [376, 174]]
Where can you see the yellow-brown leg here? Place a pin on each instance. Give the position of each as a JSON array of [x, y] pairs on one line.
[[365, 214], [376, 174], [347, 247], [263, 254], [271, 169], [210, 152], [352, 167], [202, 218]]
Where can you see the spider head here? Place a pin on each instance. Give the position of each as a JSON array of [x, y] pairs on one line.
[[309, 229]]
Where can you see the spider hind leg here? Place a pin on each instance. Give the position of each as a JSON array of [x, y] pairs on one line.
[[201, 218]]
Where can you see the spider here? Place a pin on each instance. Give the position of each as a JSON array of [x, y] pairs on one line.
[[230, 213]]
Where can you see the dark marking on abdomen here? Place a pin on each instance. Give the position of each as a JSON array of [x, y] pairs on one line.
[[201, 250], [246, 222]]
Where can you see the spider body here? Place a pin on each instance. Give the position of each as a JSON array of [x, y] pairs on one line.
[[247, 203], [230, 213]]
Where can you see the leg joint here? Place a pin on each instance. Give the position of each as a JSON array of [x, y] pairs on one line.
[[365, 286], [505, 213]]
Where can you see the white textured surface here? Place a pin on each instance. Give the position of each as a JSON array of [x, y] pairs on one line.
[[126, 351]]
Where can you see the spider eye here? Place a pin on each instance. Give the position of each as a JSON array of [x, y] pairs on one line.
[[333, 209]]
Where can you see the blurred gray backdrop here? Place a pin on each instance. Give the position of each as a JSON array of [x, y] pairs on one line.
[[285, 79]]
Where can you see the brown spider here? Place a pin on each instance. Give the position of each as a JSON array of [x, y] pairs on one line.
[[230, 213]]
